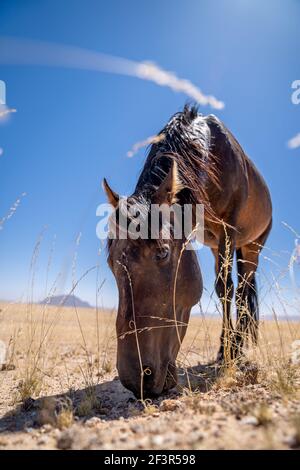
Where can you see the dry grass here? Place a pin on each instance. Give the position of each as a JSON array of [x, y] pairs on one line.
[[73, 379]]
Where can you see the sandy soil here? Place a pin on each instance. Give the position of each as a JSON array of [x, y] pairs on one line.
[[59, 388]]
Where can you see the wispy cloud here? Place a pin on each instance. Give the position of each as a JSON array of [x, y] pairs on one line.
[[29, 52], [150, 71], [153, 139], [5, 111], [294, 142]]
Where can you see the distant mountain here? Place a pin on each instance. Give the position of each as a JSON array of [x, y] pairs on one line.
[[66, 301]]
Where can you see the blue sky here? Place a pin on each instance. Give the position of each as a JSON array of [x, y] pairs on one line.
[[73, 127]]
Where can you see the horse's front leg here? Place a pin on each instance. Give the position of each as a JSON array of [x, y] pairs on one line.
[[225, 289]]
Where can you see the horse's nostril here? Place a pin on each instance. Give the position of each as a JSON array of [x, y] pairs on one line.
[[147, 370]]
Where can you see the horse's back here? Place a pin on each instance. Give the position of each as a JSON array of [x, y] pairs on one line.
[[243, 188]]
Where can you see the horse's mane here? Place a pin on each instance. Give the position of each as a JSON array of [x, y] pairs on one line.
[[185, 138]]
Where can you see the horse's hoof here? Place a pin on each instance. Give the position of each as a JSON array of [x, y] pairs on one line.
[[220, 357], [235, 355]]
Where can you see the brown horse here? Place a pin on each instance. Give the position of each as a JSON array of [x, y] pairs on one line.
[[195, 160]]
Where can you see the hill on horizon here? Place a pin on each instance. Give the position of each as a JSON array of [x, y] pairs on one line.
[[66, 301]]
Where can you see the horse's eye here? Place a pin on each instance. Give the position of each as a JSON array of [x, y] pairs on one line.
[[162, 253]]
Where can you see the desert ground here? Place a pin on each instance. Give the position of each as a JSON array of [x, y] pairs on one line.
[[59, 387]]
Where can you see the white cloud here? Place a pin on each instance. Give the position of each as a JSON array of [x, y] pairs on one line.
[[150, 71], [294, 142], [25, 51]]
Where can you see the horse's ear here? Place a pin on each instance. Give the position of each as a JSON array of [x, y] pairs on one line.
[[170, 187], [113, 198]]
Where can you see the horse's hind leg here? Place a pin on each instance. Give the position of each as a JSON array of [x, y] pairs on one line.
[[224, 289], [246, 293]]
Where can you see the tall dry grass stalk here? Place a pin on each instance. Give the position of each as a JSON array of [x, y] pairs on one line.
[[272, 355], [36, 335], [12, 210]]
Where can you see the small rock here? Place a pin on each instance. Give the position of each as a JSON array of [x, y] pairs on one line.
[[170, 405], [292, 442], [157, 440], [29, 430], [136, 428], [250, 420], [195, 437], [3, 442], [47, 428], [56, 433], [154, 427], [142, 443], [217, 433], [221, 418], [93, 422], [171, 439], [65, 440], [43, 440]]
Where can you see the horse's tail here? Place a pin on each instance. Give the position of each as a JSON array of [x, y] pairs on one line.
[[253, 311]]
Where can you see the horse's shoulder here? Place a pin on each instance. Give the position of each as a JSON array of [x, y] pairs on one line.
[[215, 124], [212, 117], [221, 133]]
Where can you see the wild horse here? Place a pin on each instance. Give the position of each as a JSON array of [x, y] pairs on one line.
[[195, 160]]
